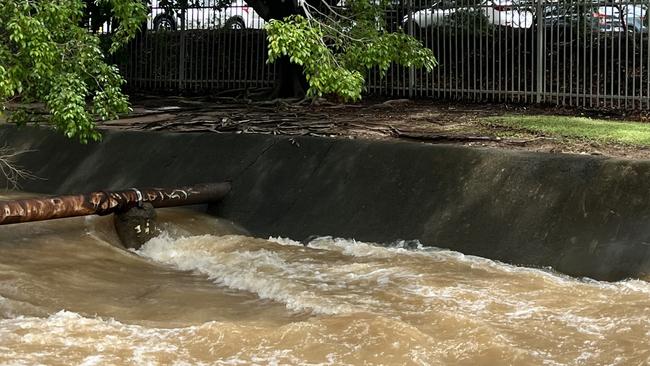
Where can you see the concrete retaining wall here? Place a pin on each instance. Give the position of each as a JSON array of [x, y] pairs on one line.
[[585, 216]]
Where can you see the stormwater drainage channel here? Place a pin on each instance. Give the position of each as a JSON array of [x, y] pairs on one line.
[[331, 251]]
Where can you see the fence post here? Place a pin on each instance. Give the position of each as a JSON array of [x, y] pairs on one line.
[[541, 51], [181, 60], [409, 10]]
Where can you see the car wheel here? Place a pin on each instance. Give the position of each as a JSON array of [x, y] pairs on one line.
[[412, 26], [164, 22], [235, 24]]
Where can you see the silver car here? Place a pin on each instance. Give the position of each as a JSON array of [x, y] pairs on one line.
[[205, 15], [497, 12], [635, 17]]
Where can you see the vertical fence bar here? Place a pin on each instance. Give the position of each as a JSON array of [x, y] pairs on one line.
[[229, 54], [145, 51], [609, 93], [558, 82], [211, 50], [570, 25], [411, 71], [193, 51], [444, 63], [549, 63], [492, 76], [519, 44], [626, 68], [641, 71], [202, 43], [181, 57], [498, 76], [581, 61], [223, 46], [540, 52], [424, 76], [587, 66], [619, 69], [631, 66], [525, 61], [483, 59], [476, 55], [156, 53], [456, 51], [564, 64], [598, 46], [471, 53], [436, 45]]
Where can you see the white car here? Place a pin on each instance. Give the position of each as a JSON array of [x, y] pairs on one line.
[[497, 12], [506, 13], [608, 19], [635, 17], [205, 16]]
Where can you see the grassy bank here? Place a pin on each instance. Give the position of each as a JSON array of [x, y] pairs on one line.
[[601, 131]]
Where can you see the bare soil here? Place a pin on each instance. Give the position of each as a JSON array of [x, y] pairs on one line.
[[424, 121]]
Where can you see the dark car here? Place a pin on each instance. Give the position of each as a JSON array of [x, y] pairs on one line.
[[596, 18]]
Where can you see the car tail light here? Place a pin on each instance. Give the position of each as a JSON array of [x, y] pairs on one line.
[[600, 16], [244, 9]]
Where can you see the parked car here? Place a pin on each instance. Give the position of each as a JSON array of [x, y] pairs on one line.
[[205, 15], [508, 13], [604, 19], [497, 12], [635, 18]]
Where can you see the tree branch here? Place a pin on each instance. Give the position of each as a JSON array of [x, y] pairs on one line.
[[12, 172]]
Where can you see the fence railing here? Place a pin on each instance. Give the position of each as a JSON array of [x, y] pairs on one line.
[[582, 53], [198, 48]]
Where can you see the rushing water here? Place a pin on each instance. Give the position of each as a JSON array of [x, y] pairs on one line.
[[203, 293]]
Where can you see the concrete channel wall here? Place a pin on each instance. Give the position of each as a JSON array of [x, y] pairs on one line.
[[581, 215]]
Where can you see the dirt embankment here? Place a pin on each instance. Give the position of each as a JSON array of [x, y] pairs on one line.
[[424, 121]]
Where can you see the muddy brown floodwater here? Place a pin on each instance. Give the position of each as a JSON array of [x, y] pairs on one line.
[[206, 293]]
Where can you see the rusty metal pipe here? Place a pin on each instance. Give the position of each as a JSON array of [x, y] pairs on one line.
[[104, 202]]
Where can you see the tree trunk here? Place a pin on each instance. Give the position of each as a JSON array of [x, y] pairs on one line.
[[291, 82], [274, 9]]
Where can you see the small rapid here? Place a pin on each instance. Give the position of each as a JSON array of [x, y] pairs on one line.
[[206, 292]]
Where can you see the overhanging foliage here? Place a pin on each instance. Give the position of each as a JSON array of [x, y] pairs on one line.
[[48, 57]]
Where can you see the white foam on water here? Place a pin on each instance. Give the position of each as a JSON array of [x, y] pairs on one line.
[[93, 360], [284, 241], [355, 248], [346, 286], [304, 280], [414, 248], [260, 271], [71, 334], [70, 338]]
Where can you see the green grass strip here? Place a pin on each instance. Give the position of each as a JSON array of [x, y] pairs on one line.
[[604, 131]]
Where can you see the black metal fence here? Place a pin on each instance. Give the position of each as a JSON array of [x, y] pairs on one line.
[[198, 48], [582, 53]]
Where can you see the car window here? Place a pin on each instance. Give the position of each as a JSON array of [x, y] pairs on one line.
[[448, 4], [551, 10]]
